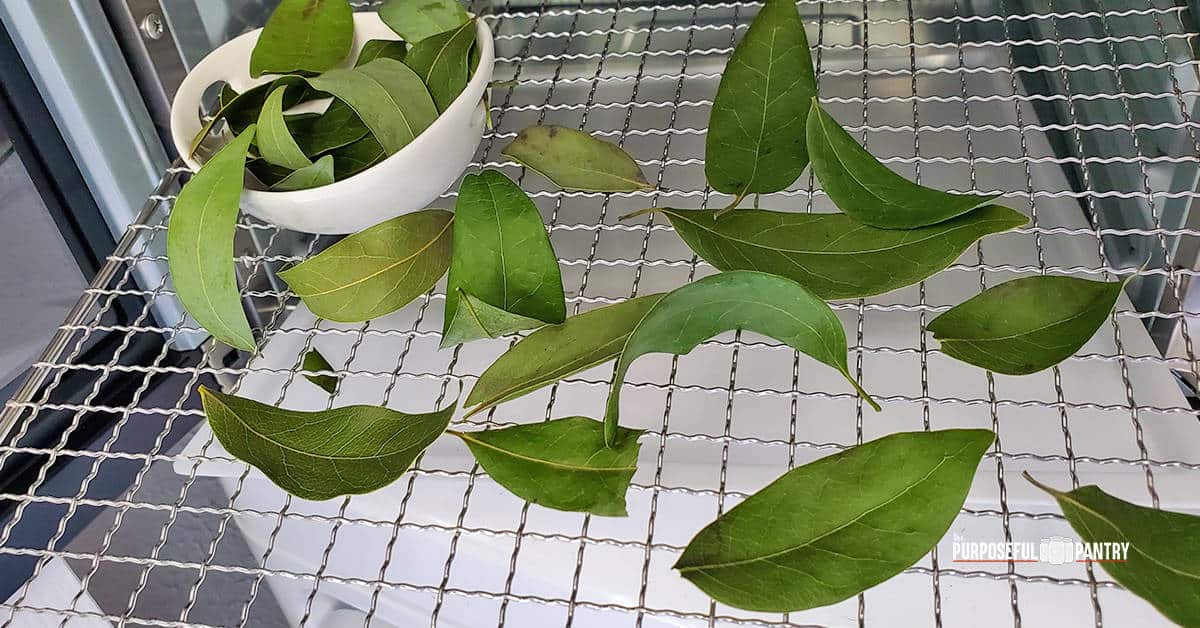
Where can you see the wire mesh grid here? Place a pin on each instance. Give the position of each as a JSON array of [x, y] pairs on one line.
[[945, 92]]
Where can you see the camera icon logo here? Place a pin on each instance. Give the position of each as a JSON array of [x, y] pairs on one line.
[[1056, 550]]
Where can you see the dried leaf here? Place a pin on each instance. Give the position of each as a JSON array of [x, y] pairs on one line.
[[441, 62], [313, 175], [386, 95], [274, 140], [414, 20], [304, 36], [574, 160]]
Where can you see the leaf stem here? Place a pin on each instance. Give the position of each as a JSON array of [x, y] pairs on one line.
[[730, 207], [640, 212]]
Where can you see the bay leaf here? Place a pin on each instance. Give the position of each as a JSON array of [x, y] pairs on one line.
[[558, 351], [269, 175], [441, 62], [304, 36], [274, 140], [200, 245], [837, 526], [377, 270], [502, 258], [574, 160], [1026, 325], [755, 142], [414, 20], [387, 48], [338, 126], [770, 305], [867, 190], [386, 95], [834, 255], [321, 455], [314, 361], [313, 175], [357, 156], [561, 464], [1162, 565], [475, 318], [242, 110]]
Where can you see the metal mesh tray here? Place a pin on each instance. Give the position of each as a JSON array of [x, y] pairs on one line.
[[944, 92]]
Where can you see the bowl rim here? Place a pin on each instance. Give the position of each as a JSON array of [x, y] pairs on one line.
[[478, 83]]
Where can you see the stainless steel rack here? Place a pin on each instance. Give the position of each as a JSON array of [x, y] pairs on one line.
[[1079, 113]]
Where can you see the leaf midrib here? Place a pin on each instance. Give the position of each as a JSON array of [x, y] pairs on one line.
[[557, 465], [1080, 505], [1062, 321]]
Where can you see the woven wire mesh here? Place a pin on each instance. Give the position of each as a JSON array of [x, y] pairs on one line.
[[1071, 111]]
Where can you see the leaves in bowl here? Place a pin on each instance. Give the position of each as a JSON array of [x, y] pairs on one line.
[[1162, 561], [200, 245], [835, 527], [338, 126], [834, 255], [767, 304], [387, 48], [574, 160], [503, 260], [1026, 325], [242, 110], [314, 361], [755, 142], [357, 156], [304, 36], [552, 353], [321, 455], [867, 190], [441, 62], [561, 464], [415, 20], [274, 140], [386, 95], [314, 175], [375, 271]]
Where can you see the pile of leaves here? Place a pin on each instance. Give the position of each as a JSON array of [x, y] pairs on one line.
[[847, 521]]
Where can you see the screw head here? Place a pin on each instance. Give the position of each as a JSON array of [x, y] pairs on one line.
[[153, 26]]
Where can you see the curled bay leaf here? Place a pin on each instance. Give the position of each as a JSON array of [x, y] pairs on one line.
[[338, 126], [386, 95], [242, 110], [377, 270], [314, 361], [767, 304], [321, 455], [832, 528], [441, 62], [1162, 558], [304, 36], [755, 142], [414, 20], [867, 190], [561, 464], [1026, 325], [357, 156], [552, 353], [574, 160], [834, 255], [313, 175], [503, 259], [274, 140], [200, 245], [376, 48]]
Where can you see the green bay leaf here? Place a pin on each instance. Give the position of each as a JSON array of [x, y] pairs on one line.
[[475, 318], [304, 36], [1162, 565], [832, 528], [357, 156], [1026, 325], [834, 255], [414, 20], [755, 142], [574, 160], [321, 455], [441, 62], [561, 464], [387, 48], [200, 245], [314, 361], [242, 110], [274, 140], [502, 258], [867, 190], [558, 351], [386, 95], [313, 175], [338, 126], [377, 270], [770, 305]]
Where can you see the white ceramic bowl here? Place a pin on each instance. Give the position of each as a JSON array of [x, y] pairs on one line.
[[402, 183]]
